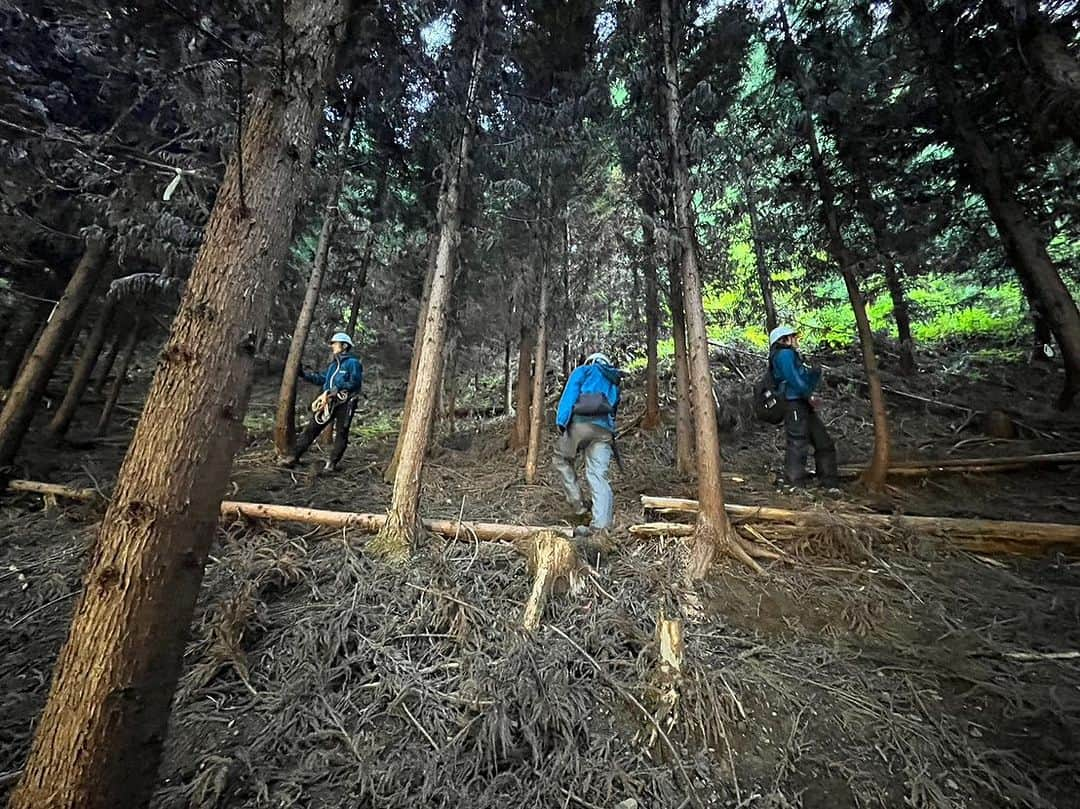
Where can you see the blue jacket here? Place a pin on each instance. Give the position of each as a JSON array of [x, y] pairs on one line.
[[594, 378], [796, 381], [344, 373]]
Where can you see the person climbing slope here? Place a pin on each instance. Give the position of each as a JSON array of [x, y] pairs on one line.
[[341, 384], [586, 423], [803, 427]]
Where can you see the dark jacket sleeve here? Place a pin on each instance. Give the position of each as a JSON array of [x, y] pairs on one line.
[[314, 377]]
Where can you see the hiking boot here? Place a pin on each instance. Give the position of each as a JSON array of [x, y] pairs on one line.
[[582, 530]]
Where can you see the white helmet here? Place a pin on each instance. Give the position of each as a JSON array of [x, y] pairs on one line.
[[597, 357], [342, 337], [779, 333]]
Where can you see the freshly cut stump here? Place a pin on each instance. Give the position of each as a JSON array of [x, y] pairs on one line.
[[555, 568]]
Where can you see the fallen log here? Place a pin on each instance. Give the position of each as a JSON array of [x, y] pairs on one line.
[[1001, 463], [984, 536], [53, 490]]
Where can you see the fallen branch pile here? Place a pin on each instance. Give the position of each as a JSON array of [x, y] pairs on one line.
[[971, 465], [983, 536]]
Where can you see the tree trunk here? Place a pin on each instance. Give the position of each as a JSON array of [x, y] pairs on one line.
[[402, 527], [651, 419], [713, 533], [764, 278], [107, 365], [536, 420], [684, 427], [126, 356], [80, 378], [26, 393], [20, 337], [285, 418], [508, 388], [1042, 337], [901, 315], [414, 361], [519, 437], [876, 472], [99, 740], [358, 288]]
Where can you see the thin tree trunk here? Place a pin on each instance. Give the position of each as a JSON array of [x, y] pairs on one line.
[[126, 356], [402, 527], [414, 362], [536, 420], [80, 378], [764, 279], [651, 419], [713, 533], [358, 288], [29, 387], [21, 338], [508, 387], [107, 366], [876, 472], [1042, 336], [285, 418], [901, 315], [685, 462], [99, 739], [519, 436]]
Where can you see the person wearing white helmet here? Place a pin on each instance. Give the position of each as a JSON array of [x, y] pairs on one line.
[[586, 422], [341, 383], [803, 427]]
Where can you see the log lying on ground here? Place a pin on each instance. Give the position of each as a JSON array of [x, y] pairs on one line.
[[363, 523], [983, 536], [970, 465]]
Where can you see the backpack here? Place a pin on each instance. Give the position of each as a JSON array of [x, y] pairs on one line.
[[768, 404]]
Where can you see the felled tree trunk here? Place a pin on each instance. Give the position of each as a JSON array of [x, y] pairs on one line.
[[285, 417], [80, 377], [99, 740], [131, 340], [713, 532], [651, 419], [398, 535], [519, 435], [536, 416], [30, 385]]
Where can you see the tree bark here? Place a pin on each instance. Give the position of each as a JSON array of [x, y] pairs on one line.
[[107, 365], [651, 419], [901, 315], [684, 428], [713, 533], [519, 436], [20, 338], [874, 478], [536, 420], [127, 354], [99, 740], [285, 418], [30, 385], [359, 286], [414, 361], [80, 378], [399, 534], [508, 388]]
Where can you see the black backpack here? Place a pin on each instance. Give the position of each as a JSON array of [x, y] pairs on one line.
[[769, 406]]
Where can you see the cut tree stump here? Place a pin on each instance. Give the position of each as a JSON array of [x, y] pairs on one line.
[[555, 568], [983, 536]]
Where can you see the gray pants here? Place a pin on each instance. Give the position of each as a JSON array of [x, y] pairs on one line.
[[595, 442]]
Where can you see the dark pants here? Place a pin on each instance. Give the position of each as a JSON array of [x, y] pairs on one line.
[[804, 429], [341, 418]]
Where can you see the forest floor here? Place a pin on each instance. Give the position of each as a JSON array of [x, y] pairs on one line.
[[867, 670]]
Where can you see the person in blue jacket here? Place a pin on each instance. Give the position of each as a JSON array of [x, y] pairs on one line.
[[586, 422], [803, 427], [341, 384]]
